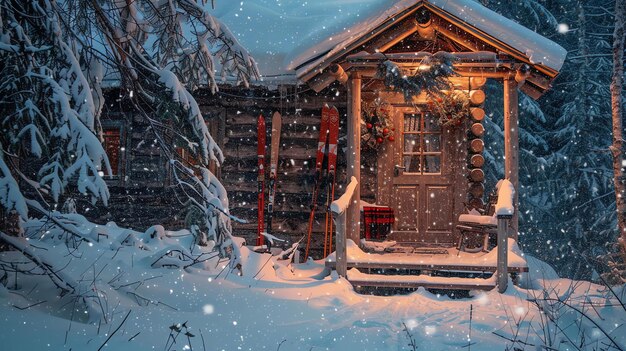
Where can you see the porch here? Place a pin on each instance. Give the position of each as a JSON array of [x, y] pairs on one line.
[[432, 168], [413, 265], [427, 200], [431, 258], [428, 267]]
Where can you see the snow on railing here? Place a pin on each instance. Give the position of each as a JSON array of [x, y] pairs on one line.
[[338, 209], [505, 209], [506, 193], [340, 205]]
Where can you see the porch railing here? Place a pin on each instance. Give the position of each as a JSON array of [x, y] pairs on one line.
[[505, 210], [338, 209]]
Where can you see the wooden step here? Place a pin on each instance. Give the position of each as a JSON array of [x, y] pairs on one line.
[[425, 266], [359, 279]]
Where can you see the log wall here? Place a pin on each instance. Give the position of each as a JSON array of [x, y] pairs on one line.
[[301, 110], [142, 195]]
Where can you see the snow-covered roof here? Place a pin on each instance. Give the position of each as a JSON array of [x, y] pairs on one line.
[[536, 48], [276, 31]]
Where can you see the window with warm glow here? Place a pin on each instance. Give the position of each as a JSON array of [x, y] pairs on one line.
[[189, 160], [112, 146]]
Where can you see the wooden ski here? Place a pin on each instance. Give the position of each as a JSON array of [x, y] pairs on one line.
[[319, 160], [275, 146], [333, 138], [261, 178]]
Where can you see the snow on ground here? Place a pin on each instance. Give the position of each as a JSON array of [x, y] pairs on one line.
[[271, 305]]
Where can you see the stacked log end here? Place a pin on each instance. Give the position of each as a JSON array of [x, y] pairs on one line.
[[475, 133]]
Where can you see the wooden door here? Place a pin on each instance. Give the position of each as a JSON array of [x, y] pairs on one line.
[[422, 184]]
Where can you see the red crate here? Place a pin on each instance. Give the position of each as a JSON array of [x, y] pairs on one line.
[[377, 222]]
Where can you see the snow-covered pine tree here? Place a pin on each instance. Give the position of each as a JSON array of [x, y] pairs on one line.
[[535, 185], [53, 57], [578, 107], [47, 108], [531, 13]]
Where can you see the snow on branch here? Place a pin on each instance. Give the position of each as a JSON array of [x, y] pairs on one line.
[[75, 85], [51, 106], [188, 41], [10, 195], [55, 274], [209, 196], [209, 150], [81, 142], [233, 57]]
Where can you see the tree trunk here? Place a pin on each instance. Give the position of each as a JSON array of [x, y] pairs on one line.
[[617, 149]]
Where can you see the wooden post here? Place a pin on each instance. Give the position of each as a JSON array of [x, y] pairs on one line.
[[353, 217], [511, 145], [339, 210], [502, 265], [340, 244]]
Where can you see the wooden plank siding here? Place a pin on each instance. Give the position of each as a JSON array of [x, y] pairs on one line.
[[301, 109], [231, 116]]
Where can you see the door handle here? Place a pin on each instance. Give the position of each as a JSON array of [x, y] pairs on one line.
[[397, 169]]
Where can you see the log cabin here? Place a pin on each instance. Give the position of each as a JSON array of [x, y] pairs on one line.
[[431, 167], [419, 69]]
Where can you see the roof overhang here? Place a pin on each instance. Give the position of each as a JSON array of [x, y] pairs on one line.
[[507, 52]]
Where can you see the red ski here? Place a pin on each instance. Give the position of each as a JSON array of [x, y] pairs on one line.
[[333, 137], [275, 146], [319, 160], [261, 178]]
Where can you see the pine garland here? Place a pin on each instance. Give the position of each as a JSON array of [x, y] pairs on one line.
[[433, 79], [449, 106]]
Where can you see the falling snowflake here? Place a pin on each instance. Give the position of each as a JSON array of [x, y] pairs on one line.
[[411, 324], [208, 309]]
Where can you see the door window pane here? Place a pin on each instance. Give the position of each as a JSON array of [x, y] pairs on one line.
[[412, 164], [411, 143], [411, 122], [430, 123], [432, 142], [432, 164], [421, 142]]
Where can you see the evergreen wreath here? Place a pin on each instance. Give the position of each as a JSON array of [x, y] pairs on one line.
[[451, 108], [376, 124]]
